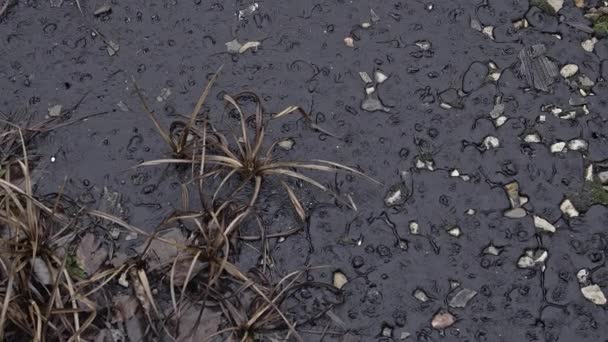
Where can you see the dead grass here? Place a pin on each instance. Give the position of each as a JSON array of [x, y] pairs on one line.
[[46, 295], [38, 294]]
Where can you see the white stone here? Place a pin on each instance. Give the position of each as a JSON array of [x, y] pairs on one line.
[[456, 232], [568, 70], [556, 4], [595, 294], [568, 208], [577, 144], [543, 224], [414, 228], [489, 31], [589, 44], [558, 147], [55, 110], [501, 121], [491, 142], [380, 77], [582, 275], [339, 279], [532, 138]]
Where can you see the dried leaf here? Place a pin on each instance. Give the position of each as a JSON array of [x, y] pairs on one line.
[[91, 254], [161, 253], [190, 331], [124, 308]]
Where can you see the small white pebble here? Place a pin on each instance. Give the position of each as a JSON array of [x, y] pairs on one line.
[[500, 121], [577, 144], [558, 147], [589, 44], [532, 138], [349, 41], [52, 159], [414, 228], [568, 70], [456, 232], [380, 77], [489, 31], [568, 208], [491, 142]]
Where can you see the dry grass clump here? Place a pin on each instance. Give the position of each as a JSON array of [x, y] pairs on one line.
[[241, 164], [184, 282], [37, 291]]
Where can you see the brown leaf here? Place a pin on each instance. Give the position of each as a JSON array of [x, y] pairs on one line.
[[579, 3], [91, 254], [125, 307], [119, 259], [109, 335], [183, 267], [208, 325], [161, 253]]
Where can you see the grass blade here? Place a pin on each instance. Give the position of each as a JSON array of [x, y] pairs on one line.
[[197, 109], [295, 202]]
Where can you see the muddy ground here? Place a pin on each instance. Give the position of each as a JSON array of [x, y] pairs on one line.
[[455, 99]]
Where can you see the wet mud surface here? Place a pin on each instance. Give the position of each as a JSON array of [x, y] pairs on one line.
[[457, 121]]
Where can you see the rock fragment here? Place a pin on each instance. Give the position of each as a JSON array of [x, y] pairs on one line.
[[568, 70], [543, 224], [594, 294], [461, 298], [442, 320], [538, 70], [568, 208]]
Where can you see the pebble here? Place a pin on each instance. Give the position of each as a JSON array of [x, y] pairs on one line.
[[491, 142], [102, 10], [349, 41], [421, 295], [442, 320], [543, 224], [396, 195], [603, 177], [339, 280], [500, 121], [380, 77], [515, 213], [568, 70], [589, 44], [532, 138], [577, 144], [414, 228], [55, 111], [582, 275], [594, 293], [492, 250], [568, 208], [488, 31], [461, 298], [456, 232], [532, 258], [365, 77], [287, 144], [555, 4], [558, 147]]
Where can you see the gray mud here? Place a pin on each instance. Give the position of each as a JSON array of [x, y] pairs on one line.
[[439, 105]]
